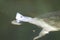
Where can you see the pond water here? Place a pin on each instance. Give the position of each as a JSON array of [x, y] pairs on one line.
[[32, 8]]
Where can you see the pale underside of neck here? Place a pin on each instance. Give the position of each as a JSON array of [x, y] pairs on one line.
[[41, 23]]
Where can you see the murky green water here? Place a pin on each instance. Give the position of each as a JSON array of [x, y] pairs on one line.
[[8, 9]]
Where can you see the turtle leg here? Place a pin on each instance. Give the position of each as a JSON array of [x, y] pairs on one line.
[[41, 34]]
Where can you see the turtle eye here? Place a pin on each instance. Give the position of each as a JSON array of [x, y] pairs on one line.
[[21, 17]]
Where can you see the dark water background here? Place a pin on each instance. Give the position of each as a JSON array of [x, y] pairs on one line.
[[32, 8]]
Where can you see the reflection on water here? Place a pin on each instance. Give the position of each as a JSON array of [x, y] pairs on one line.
[[8, 9]]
